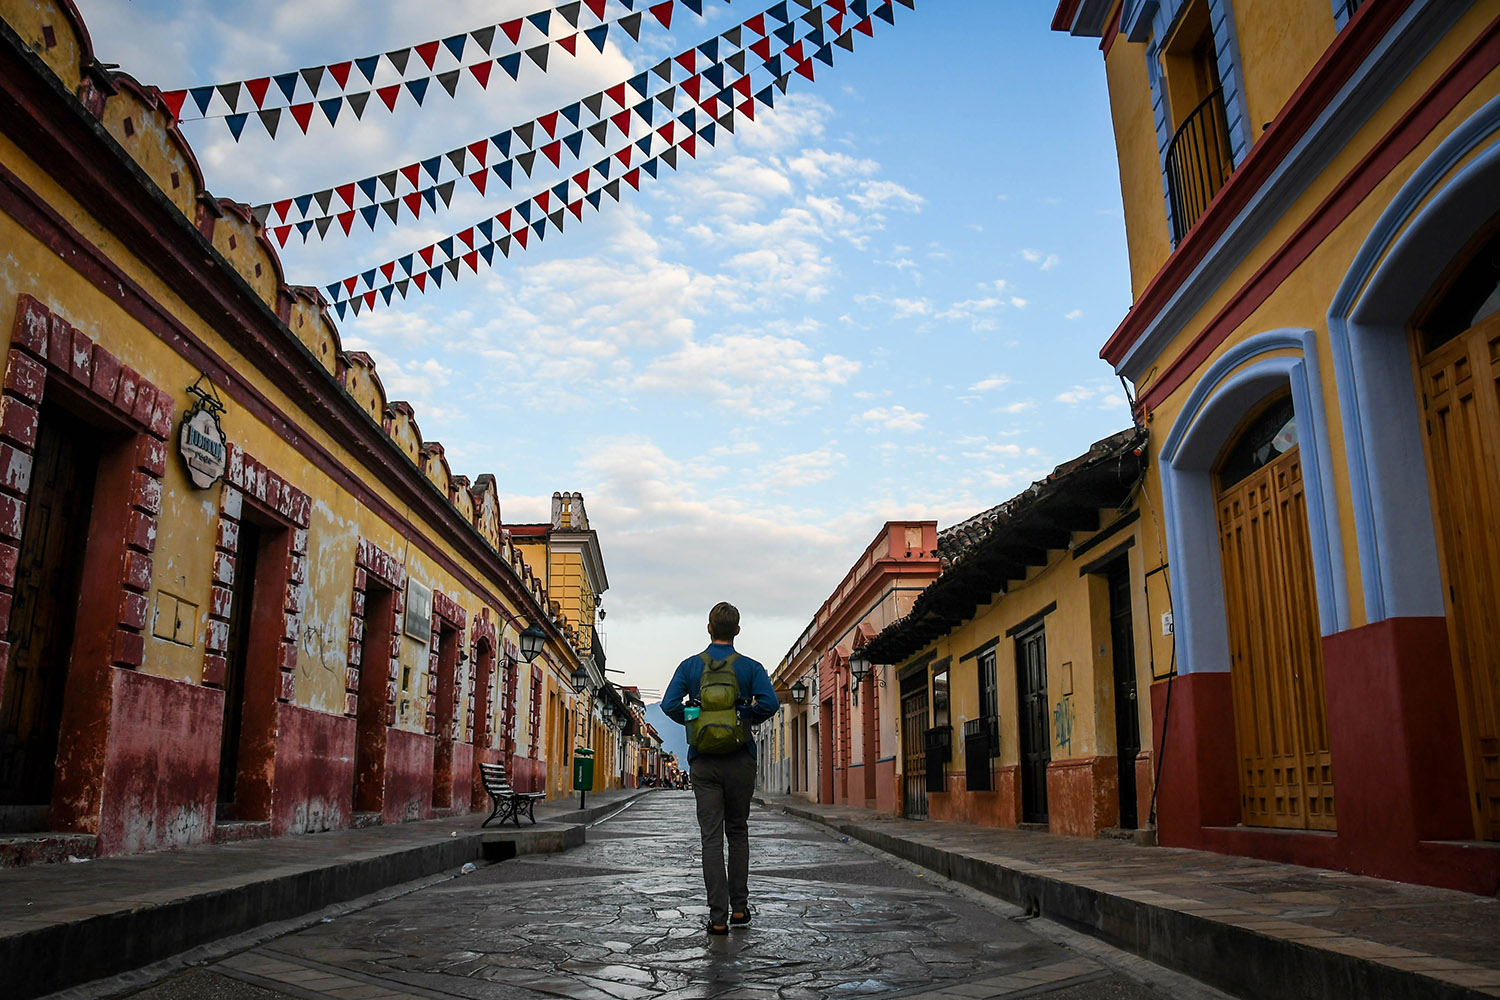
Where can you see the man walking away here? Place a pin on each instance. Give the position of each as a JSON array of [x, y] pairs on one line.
[[718, 695]]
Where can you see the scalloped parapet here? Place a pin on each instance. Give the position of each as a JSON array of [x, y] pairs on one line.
[[401, 426]]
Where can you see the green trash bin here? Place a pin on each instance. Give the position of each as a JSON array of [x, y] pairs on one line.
[[583, 769]]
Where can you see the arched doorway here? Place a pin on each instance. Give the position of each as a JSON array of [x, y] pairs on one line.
[[1456, 340], [1276, 660]]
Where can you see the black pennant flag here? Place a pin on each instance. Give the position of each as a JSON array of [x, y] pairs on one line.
[[389, 180], [391, 207], [526, 159], [313, 77], [458, 157], [845, 41], [556, 218], [732, 36], [325, 198], [613, 190], [663, 69], [669, 157], [539, 56], [484, 37], [524, 132], [231, 94], [737, 62], [449, 80], [599, 131], [445, 192], [632, 26], [398, 59], [358, 102], [270, 119], [594, 102], [570, 12]]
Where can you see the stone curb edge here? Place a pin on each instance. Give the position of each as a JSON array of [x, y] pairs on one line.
[[1238, 960]]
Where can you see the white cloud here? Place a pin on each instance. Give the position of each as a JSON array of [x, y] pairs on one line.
[[893, 418], [757, 374], [1073, 314], [990, 384], [1047, 261], [877, 196]]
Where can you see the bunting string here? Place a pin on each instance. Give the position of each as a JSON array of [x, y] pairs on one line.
[[353, 82], [491, 158], [530, 220]]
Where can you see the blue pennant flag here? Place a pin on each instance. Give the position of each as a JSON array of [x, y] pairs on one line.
[[540, 228], [333, 290], [288, 84], [715, 74], [368, 187], [639, 83], [787, 34], [455, 45], [303, 203], [524, 211], [236, 125], [386, 291], [859, 8], [436, 274], [650, 167], [367, 67], [201, 96], [429, 195], [593, 198], [643, 144], [433, 166], [368, 278], [331, 108], [814, 38], [487, 229], [446, 245], [502, 142], [824, 55], [710, 49], [696, 6], [774, 66], [603, 167], [885, 13], [628, 4], [574, 143], [542, 20], [707, 134], [767, 96], [370, 212], [560, 191], [511, 64], [488, 252], [418, 88], [573, 112], [643, 109], [598, 36], [504, 171], [305, 228], [779, 12], [341, 306], [405, 263], [688, 119]]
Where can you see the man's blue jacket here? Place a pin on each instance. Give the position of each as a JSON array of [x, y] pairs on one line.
[[755, 688]]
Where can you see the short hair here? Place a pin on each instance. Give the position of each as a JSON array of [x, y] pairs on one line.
[[724, 621]]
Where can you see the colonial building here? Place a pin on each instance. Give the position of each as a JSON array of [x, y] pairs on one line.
[[1312, 203], [240, 595], [1017, 670], [834, 737]]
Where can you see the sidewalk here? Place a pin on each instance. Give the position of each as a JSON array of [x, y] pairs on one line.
[[65, 924], [1252, 928]]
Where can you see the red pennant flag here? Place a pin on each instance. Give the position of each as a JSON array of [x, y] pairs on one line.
[[577, 209], [413, 174], [549, 122], [667, 131], [663, 13], [173, 100], [762, 48], [468, 237], [346, 219], [521, 235], [622, 122], [414, 202], [582, 179], [346, 192], [512, 30], [794, 51], [388, 270], [597, 6], [865, 27], [472, 259], [836, 24], [340, 72], [692, 86], [349, 284], [838, 5], [370, 299], [757, 24], [711, 106], [804, 68], [428, 52], [689, 60], [633, 178], [748, 110], [569, 44], [426, 254], [481, 73], [281, 233], [690, 144], [282, 209], [480, 178], [303, 114], [479, 150], [420, 280], [624, 156], [504, 219], [544, 200], [389, 95], [617, 94], [257, 89], [553, 152]]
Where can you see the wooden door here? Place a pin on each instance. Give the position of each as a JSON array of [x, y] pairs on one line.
[[236, 663], [1036, 733], [1127, 714], [1459, 390], [913, 745], [45, 606], [1276, 653]]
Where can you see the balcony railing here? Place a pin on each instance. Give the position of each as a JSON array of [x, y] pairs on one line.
[[1198, 162]]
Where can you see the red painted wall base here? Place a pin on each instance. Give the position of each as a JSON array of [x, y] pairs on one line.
[[1399, 777], [314, 771], [408, 776]]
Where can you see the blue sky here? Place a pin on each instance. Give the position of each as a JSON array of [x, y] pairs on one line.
[[884, 299]]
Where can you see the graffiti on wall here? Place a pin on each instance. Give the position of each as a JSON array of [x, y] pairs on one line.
[[1062, 723]]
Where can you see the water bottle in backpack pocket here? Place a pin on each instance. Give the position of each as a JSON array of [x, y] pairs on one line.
[[718, 728]]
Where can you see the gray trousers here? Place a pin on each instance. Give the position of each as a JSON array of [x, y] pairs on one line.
[[722, 786]]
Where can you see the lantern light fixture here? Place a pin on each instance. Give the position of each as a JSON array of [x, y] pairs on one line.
[[532, 641], [859, 666], [580, 680], [799, 692]]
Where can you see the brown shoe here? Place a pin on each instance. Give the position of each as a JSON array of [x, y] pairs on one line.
[[717, 929], [740, 919]]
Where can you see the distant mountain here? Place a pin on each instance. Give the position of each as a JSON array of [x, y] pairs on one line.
[[673, 734]]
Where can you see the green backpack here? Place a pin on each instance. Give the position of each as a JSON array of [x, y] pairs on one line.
[[718, 728]]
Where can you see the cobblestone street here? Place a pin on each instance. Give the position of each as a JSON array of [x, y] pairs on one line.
[[622, 917]]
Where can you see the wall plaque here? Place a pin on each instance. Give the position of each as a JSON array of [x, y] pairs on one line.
[[200, 439]]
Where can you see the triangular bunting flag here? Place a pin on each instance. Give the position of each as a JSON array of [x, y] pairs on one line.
[[445, 191], [174, 99], [663, 13], [569, 44], [525, 160], [663, 69], [573, 113], [449, 80], [669, 157], [732, 36], [479, 179], [512, 30], [599, 131], [574, 143], [236, 125], [569, 11], [511, 64], [481, 73], [598, 36], [484, 37], [632, 25], [504, 171], [257, 89], [391, 208], [313, 76], [389, 95], [366, 67], [201, 97], [427, 52], [638, 83], [737, 62], [340, 73], [287, 82], [502, 142], [388, 179], [231, 94], [613, 190], [542, 21], [357, 102], [595, 103], [524, 132], [455, 44], [885, 13], [539, 56], [556, 218], [331, 107], [418, 88], [371, 213], [302, 113]]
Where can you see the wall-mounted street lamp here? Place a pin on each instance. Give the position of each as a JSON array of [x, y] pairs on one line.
[[580, 680], [859, 666], [799, 692], [532, 641]]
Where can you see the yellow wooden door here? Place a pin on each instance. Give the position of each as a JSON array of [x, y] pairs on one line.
[[1459, 391], [1276, 654]]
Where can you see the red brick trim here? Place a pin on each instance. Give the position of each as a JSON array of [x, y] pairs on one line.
[[46, 349], [444, 609], [247, 479], [372, 561], [508, 701], [481, 686]]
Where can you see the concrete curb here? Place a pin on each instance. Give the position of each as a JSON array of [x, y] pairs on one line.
[[115, 936], [1223, 953]]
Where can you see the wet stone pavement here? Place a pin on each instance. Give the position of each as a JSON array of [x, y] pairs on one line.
[[622, 918]]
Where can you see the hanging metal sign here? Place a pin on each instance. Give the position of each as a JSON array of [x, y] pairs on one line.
[[201, 440]]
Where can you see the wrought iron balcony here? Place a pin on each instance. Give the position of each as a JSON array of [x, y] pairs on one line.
[[1198, 162]]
